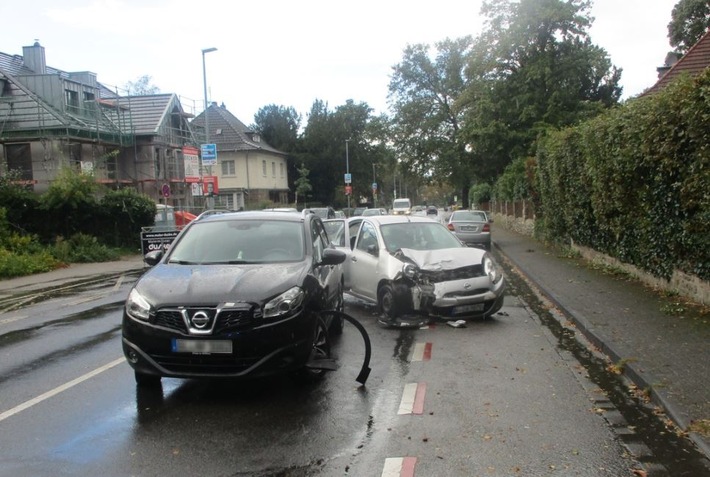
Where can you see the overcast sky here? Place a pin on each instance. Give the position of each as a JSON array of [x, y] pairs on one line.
[[288, 52]]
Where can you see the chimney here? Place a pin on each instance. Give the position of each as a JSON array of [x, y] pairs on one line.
[[34, 58]]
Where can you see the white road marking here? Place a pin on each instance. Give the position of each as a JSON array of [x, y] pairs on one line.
[[14, 318], [399, 467], [59, 389]]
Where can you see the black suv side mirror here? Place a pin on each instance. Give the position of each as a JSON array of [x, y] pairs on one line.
[[332, 256]]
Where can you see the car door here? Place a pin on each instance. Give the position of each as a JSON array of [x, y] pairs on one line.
[[329, 276], [364, 260]]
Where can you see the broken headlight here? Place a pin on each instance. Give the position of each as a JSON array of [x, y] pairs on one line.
[[410, 271], [491, 269]]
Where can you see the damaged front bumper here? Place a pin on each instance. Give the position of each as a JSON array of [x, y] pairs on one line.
[[465, 298]]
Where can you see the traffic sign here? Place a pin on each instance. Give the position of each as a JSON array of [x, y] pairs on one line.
[[348, 190], [374, 186], [166, 190], [348, 178]]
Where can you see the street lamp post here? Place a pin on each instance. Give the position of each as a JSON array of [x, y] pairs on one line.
[[210, 199], [374, 187], [347, 170]]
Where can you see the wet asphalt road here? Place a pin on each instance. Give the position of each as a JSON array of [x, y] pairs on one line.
[[496, 398]]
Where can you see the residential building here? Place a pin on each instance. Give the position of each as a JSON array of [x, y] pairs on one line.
[[50, 119], [695, 61], [248, 170]]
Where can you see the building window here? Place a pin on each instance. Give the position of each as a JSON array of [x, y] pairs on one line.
[[72, 99], [263, 168], [273, 169], [281, 168], [89, 96], [228, 168], [19, 159], [226, 201]]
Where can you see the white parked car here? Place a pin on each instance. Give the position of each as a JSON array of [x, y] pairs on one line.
[[414, 265]]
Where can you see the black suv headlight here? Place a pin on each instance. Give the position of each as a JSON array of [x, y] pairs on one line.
[[137, 307], [284, 304], [491, 269]]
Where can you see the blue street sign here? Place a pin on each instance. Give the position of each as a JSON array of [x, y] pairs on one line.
[[209, 154], [348, 178]]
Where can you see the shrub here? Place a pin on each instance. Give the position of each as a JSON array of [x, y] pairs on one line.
[[82, 248]]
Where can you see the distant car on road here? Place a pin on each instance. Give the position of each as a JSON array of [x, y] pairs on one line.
[[432, 210], [373, 211], [323, 212], [471, 227], [237, 295], [402, 206], [358, 211]]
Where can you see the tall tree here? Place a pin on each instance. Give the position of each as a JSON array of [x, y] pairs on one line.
[[142, 86], [323, 150], [280, 126], [426, 123], [533, 68], [690, 19]]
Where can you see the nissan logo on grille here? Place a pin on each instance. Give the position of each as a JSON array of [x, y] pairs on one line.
[[200, 319]]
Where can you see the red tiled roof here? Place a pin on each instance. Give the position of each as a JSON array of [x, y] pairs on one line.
[[693, 62]]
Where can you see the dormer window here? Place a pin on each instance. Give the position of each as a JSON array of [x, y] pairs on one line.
[[218, 131], [256, 138]]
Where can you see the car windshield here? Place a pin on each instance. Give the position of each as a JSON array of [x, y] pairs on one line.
[[418, 236], [368, 212], [336, 231], [468, 216], [240, 241], [401, 203]]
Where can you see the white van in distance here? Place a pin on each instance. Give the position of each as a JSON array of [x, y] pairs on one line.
[[402, 206]]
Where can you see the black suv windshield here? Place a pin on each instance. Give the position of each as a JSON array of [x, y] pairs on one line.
[[240, 241]]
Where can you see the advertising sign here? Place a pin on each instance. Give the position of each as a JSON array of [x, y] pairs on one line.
[[192, 163], [159, 240], [209, 154], [210, 186]]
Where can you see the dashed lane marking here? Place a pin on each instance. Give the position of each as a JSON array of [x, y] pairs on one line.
[[422, 352], [399, 467], [412, 399]]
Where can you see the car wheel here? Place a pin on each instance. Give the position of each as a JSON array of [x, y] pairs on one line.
[[320, 349], [386, 301], [147, 380]]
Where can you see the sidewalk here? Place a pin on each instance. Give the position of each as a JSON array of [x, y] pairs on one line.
[[73, 273], [664, 353]]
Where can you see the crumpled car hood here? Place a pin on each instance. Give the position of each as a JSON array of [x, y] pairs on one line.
[[444, 259], [169, 284]]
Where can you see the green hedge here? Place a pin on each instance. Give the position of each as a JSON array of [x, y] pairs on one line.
[[634, 183]]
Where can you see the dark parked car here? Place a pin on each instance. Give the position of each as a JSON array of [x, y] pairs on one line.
[[432, 210], [236, 295]]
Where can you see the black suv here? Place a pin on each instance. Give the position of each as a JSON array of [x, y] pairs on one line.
[[237, 294]]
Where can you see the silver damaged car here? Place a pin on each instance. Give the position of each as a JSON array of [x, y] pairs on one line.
[[415, 265]]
